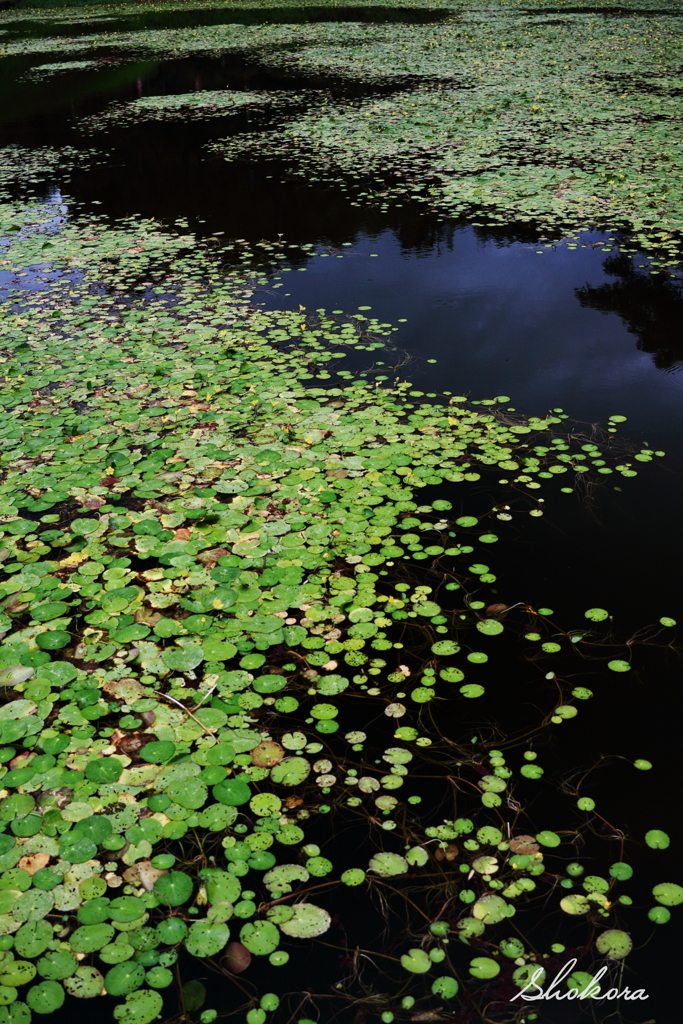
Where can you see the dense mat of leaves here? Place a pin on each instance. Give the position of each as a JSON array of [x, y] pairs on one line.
[[212, 555], [564, 121], [196, 105]]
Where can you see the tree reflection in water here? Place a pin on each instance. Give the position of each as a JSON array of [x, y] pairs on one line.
[[650, 305]]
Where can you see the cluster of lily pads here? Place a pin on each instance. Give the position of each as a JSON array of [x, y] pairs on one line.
[[45, 70], [196, 105], [564, 121], [245, 613], [27, 168]]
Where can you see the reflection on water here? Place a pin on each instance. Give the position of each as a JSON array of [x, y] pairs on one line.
[[551, 326], [505, 318], [650, 306]]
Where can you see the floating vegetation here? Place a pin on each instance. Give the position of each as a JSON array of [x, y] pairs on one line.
[[26, 167], [229, 617], [460, 151], [195, 105], [41, 70], [562, 121], [260, 693]]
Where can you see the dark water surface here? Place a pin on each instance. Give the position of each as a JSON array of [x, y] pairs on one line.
[[585, 330]]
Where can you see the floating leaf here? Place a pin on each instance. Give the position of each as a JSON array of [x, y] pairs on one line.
[[139, 1007], [174, 888], [260, 937], [668, 893], [575, 904], [388, 864], [291, 771], [656, 839], [484, 967], [207, 938], [416, 961], [85, 983], [307, 921], [597, 614]]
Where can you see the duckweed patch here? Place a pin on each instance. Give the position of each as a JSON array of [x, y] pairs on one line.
[[26, 168]]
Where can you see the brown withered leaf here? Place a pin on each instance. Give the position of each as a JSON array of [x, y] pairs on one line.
[[127, 689], [20, 760], [292, 801], [267, 754], [524, 844], [147, 616], [209, 558], [497, 611], [33, 862], [450, 853], [142, 873], [132, 743]]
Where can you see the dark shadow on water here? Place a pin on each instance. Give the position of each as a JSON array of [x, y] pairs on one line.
[[650, 306], [45, 110], [172, 19]]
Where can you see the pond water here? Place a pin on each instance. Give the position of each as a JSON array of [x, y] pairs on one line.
[[572, 326]]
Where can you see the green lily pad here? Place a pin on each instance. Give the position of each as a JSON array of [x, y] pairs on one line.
[[388, 864], [207, 938], [291, 771], [53, 640], [140, 1007], [158, 751], [233, 792], [174, 888], [668, 893], [416, 961], [46, 997], [183, 659], [91, 937], [50, 610], [484, 967], [104, 771], [657, 840], [615, 943], [85, 983], [124, 978], [597, 614], [489, 627], [260, 937], [547, 838], [445, 647], [353, 876]]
